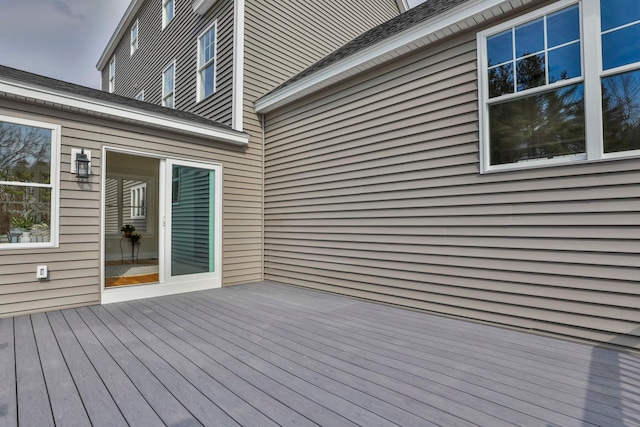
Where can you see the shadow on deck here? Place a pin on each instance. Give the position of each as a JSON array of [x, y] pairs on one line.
[[267, 354]]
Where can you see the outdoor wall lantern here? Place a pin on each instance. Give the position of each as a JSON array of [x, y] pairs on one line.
[[83, 169]]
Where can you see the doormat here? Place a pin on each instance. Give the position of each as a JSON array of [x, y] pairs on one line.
[[127, 270]]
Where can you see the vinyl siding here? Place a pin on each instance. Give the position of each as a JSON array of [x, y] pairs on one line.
[[373, 190], [178, 41], [75, 265], [284, 37], [281, 39]]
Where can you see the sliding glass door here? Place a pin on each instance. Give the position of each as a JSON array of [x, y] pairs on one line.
[[192, 220], [173, 210]]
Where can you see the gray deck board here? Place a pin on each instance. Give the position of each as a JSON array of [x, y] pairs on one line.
[[133, 406], [294, 363], [400, 392], [164, 403], [8, 399], [412, 354], [232, 405], [412, 380], [101, 409], [213, 362], [271, 379], [34, 408], [267, 354], [66, 404]]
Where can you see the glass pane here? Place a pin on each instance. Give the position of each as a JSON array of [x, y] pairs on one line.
[[564, 63], [207, 47], [208, 80], [25, 153], [615, 13], [168, 80], [25, 214], [500, 80], [192, 224], [563, 27], [530, 38], [621, 47], [169, 10], [500, 48], [531, 72], [539, 126], [168, 101], [621, 112]]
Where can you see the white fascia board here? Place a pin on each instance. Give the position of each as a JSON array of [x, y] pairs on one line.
[[123, 27], [361, 61], [79, 103], [201, 6], [403, 5], [237, 96]]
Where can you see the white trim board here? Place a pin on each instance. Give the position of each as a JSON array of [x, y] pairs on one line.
[[238, 65], [115, 111]]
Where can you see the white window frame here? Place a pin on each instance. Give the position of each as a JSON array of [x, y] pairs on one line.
[[135, 37], [112, 74], [138, 199], [140, 95], [202, 67], [591, 53], [54, 184], [166, 95], [166, 18]]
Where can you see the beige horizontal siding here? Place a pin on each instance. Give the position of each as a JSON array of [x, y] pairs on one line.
[[373, 190], [75, 265]]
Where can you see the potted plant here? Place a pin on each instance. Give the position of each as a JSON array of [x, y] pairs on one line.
[[127, 230], [19, 231], [135, 236]]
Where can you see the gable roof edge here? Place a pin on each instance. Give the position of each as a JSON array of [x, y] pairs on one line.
[[124, 24], [399, 43]]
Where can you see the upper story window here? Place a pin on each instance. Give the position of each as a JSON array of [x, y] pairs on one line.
[[207, 63], [168, 86], [134, 37], [538, 83], [140, 96], [138, 198], [168, 12], [112, 74], [28, 183]]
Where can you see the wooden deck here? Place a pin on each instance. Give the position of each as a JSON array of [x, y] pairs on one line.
[[267, 354]]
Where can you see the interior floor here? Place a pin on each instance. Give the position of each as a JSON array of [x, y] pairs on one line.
[[124, 273]]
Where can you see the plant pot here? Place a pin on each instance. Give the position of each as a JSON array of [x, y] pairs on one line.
[[14, 235]]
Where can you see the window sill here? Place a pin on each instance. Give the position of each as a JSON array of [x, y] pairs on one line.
[[207, 98], [19, 246], [579, 159]]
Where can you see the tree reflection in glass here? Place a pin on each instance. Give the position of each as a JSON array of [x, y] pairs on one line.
[[621, 112], [544, 125]]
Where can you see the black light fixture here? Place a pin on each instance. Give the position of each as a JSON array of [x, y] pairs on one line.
[[82, 165]]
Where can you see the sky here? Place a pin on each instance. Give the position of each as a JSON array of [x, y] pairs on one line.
[[62, 39]]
